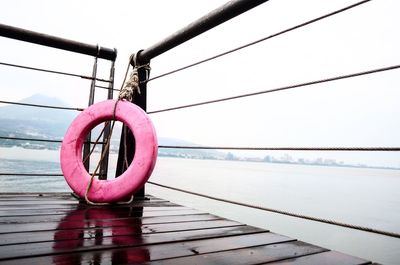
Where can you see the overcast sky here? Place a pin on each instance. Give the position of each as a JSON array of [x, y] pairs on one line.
[[360, 112]]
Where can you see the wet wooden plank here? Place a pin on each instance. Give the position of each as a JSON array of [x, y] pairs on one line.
[[121, 228], [127, 255], [75, 224], [38, 205], [51, 210], [49, 196], [325, 258], [44, 195], [13, 224], [34, 194], [251, 255], [47, 204], [100, 243], [118, 212], [28, 203], [30, 212], [56, 229], [35, 198]]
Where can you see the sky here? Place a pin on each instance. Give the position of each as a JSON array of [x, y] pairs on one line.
[[357, 112]]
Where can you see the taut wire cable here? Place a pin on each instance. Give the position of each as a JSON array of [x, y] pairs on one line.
[[40, 106], [316, 219], [54, 72], [258, 41], [320, 81], [37, 140], [354, 149]]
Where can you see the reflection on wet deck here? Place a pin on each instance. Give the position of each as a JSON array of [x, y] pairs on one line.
[[55, 229]]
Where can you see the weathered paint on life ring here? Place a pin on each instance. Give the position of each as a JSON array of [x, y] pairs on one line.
[[139, 170]]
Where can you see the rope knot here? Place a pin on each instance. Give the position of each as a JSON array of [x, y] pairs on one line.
[[132, 85]]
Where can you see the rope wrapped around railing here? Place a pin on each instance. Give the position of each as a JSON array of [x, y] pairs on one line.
[[302, 216]]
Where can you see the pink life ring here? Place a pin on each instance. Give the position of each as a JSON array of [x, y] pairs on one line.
[[139, 170]]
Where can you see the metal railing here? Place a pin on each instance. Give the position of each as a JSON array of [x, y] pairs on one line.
[[96, 51], [216, 17], [203, 24]]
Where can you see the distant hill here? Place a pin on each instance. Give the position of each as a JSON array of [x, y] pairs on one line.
[[189, 153], [32, 121], [45, 123]]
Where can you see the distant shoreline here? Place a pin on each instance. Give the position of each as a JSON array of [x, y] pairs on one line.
[[185, 156], [285, 162]]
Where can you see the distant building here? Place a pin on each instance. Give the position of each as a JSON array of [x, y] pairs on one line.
[[267, 159]]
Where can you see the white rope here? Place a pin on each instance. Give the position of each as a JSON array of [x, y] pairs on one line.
[[132, 85]]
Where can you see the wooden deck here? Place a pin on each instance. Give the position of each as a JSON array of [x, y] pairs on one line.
[[56, 229]]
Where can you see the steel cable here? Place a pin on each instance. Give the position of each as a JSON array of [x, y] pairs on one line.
[[38, 140], [36, 174], [371, 149], [320, 81], [31, 174], [39, 105], [316, 219], [30, 139], [260, 40], [107, 88], [53, 72], [360, 149]]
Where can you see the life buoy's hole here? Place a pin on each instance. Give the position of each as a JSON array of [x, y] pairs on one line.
[[115, 158]]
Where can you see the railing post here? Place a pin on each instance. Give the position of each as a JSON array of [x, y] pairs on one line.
[[86, 147], [107, 128], [141, 101]]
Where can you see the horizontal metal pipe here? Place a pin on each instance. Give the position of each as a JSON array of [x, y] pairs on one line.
[[216, 17], [57, 42]]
